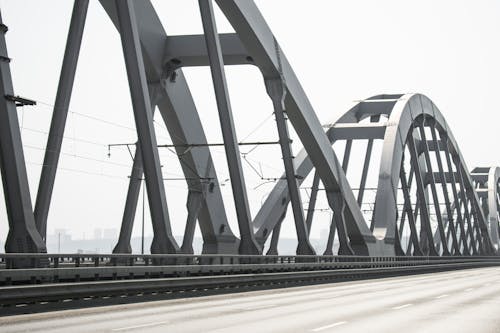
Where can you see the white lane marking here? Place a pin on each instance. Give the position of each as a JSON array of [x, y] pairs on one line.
[[140, 326], [442, 296], [259, 307], [402, 306], [330, 297], [469, 289], [322, 328]]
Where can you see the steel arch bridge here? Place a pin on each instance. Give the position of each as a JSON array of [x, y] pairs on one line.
[[427, 202]]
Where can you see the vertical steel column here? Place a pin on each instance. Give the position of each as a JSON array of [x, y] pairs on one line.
[[163, 241], [134, 187], [331, 238], [23, 236], [276, 90], [424, 211], [194, 201], [449, 213], [366, 165], [434, 193], [123, 244], [312, 202], [364, 174], [273, 247], [409, 182], [60, 113], [479, 237], [248, 245], [463, 237], [398, 250], [337, 202], [411, 218], [347, 154], [463, 195]]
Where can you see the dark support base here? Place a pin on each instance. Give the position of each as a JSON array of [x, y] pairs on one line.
[[328, 252], [124, 248], [249, 248], [222, 245], [22, 242], [26, 263], [305, 249]]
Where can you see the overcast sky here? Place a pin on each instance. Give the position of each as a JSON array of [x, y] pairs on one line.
[[341, 51]]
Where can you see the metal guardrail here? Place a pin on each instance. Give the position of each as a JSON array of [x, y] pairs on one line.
[[96, 260], [55, 292], [71, 268]]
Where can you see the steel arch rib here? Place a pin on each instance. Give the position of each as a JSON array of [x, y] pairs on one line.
[[405, 111], [277, 201], [493, 179], [401, 110]]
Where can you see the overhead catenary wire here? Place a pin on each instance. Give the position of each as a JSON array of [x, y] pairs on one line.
[[74, 138], [107, 122], [89, 158], [95, 143]]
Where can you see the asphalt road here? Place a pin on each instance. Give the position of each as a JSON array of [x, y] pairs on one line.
[[458, 301]]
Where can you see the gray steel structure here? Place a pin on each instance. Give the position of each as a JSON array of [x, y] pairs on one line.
[[426, 203]]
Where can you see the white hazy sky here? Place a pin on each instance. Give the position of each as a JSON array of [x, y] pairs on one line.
[[341, 51]]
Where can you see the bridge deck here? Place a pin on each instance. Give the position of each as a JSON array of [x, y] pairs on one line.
[[432, 303]]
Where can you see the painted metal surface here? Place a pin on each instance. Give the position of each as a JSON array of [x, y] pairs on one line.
[[23, 235], [426, 200]]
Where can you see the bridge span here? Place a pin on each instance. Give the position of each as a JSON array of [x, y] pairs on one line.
[[430, 212]]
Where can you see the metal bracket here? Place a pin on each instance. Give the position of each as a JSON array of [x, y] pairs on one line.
[[20, 101]]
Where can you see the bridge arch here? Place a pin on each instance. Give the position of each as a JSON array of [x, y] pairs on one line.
[[416, 142]]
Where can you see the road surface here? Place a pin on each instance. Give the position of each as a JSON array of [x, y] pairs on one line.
[[458, 301]]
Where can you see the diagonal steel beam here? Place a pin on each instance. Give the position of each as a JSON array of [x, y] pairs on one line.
[[276, 90], [454, 191], [259, 41], [23, 235], [183, 123], [163, 241], [59, 116], [312, 202], [444, 185], [464, 200], [409, 211], [424, 211], [434, 193], [273, 246], [248, 245]]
